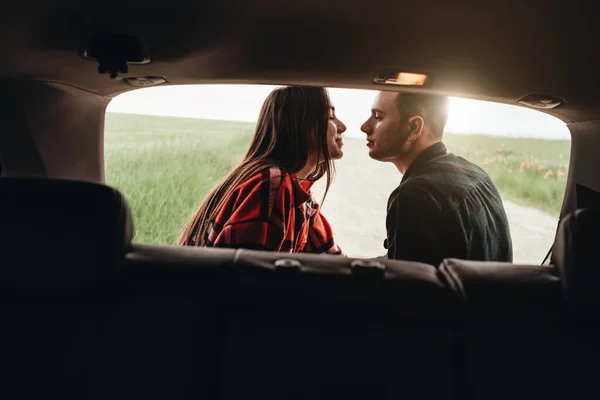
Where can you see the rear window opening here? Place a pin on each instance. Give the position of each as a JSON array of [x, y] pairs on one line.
[[166, 147]]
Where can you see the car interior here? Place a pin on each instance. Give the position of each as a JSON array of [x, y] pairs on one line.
[[89, 313]]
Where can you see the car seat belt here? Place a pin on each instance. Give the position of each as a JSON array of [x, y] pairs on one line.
[[548, 255]]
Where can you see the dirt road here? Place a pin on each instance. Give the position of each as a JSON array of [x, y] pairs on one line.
[[356, 208]]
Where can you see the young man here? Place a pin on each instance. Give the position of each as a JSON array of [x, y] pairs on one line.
[[445, 206]]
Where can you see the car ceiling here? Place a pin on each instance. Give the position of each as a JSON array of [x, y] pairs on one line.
[[497, 51]]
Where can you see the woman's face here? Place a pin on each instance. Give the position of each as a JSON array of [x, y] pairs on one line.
[[335, 128]]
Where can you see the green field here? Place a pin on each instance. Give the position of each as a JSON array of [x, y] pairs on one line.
[[531, 172], [165, 166]]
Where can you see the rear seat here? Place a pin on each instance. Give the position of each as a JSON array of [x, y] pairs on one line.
[[331, 327], [511, 340], [210, 323], [62, 247], [246, 324], [59, 233], [87, 314], [164, 338], [577, 258]]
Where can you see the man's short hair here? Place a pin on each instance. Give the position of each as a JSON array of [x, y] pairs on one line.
[[433, 109]]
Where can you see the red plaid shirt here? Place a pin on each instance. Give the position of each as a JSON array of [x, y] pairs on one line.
[[273, 211]]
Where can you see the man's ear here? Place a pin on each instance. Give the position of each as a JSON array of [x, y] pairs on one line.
[[416, 125]]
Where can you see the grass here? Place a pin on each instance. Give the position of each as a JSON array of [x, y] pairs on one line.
[[531, 172], [165, 166]]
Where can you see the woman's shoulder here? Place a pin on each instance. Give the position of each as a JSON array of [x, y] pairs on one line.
[[269, 178], [270, 190], [275, 184]]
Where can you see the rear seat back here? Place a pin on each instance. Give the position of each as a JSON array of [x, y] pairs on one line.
[[510, 342], [163, 339], [87, 314], [246, 324], [57, 232], [330, 327], [211, 323], [576, 255], [62, 248], [577, 259]]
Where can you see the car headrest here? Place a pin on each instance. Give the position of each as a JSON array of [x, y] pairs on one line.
[[498, 285], [58, 232], [577, 257], [412, 286]]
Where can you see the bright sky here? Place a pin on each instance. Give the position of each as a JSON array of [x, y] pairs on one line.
[[243, 102]]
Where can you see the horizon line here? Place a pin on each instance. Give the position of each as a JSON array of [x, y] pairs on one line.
[[466, 133]]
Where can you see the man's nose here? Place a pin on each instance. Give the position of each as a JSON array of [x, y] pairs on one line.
[[366, 128]]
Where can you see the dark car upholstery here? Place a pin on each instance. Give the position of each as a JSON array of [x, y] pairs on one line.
[[63, 246], [87, 314]]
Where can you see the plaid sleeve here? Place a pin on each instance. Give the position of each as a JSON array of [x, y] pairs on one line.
[[320, 236], [255, 218]]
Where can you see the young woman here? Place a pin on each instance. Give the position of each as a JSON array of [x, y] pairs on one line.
[[265, 203]]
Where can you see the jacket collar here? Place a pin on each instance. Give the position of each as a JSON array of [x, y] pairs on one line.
[[433, 151], [301, 189]]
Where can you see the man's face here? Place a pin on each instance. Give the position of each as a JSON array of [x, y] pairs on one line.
[[334, 136], [386, 135]]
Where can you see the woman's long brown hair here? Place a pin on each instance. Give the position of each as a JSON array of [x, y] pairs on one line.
[[292, 123]]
